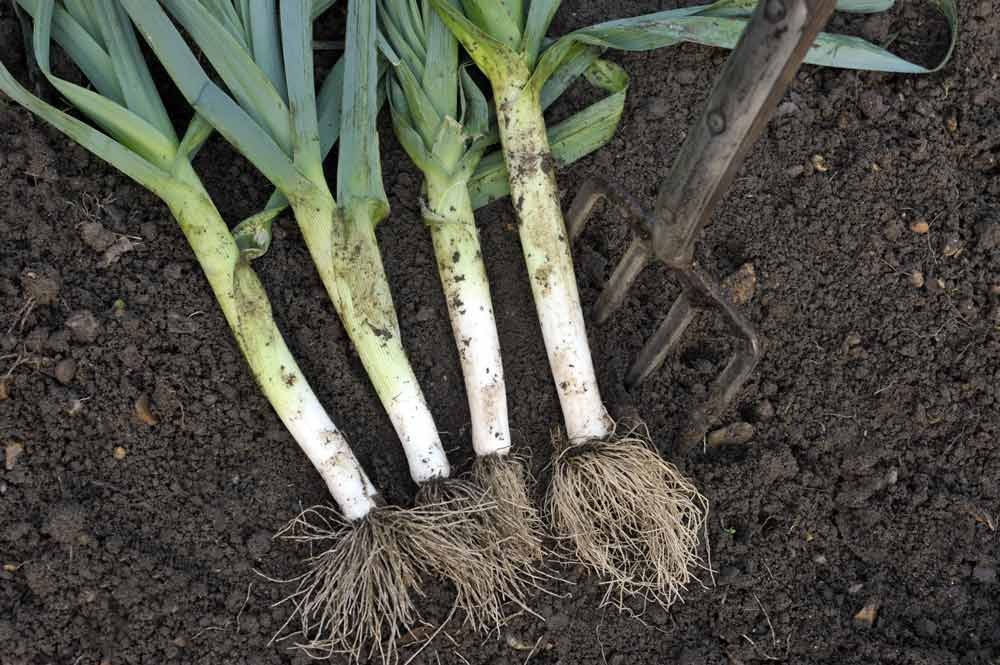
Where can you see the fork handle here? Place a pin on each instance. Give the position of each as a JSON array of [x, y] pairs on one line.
[[752, 82]]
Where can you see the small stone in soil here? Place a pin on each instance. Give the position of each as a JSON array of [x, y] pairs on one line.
[[65, 371], [119, 453], [143, 411], [731, 435], [917, 279], [920, 226], [952, 247], [865, 618], [11, 452], [84, 326]]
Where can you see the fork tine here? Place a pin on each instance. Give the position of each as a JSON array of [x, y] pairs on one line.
[[591, 192], [628, 269], [723, 390], [755, 77], [663, 341], [595, 189]]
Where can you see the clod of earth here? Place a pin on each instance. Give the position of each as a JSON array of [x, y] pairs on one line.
[[84, 326]]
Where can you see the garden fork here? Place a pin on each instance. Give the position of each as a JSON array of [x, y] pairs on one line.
[[752, 82]]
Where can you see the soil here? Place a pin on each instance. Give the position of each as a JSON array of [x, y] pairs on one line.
[[145, 474]]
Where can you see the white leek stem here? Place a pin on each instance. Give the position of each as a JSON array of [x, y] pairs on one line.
[[343, 247], [248, 312], [470, 308], [547, 254]]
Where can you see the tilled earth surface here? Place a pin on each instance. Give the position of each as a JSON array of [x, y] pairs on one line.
[[145, 475]]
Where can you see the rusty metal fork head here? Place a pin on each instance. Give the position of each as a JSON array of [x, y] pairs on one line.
[[752, 82]]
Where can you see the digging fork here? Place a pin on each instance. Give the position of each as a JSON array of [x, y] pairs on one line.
[[752, 82]]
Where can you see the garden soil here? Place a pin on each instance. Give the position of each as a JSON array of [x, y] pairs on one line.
[[145, 474]]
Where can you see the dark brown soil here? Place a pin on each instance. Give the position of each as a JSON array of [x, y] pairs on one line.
[[873, 478]]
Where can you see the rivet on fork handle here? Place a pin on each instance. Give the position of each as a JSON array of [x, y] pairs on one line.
[[752, 82]]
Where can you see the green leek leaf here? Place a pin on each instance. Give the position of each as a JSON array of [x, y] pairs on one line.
[[494, 57], [228, 118], [296, 41], [652, 31], [439, 80], [86, 49], [359, 169], [130, 68], [540, 16], [124, 125], [245, 80], [502, 20], [265, 41], [143, 172]]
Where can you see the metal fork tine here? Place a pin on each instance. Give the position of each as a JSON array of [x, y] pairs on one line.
[[591, 192], [663, 341], [722, 392], [628, 269], [755, 77]]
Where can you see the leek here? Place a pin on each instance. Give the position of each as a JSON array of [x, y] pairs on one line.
[[360, 590], [441, 118], [378, 553], [139, 140], [282, 140], [625, 512]]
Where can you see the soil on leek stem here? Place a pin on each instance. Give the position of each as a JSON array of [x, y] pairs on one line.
[[871, 480]]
